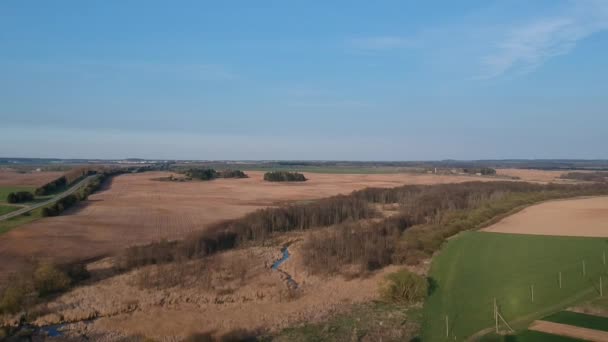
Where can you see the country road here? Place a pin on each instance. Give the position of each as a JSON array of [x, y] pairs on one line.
[[52, 200]]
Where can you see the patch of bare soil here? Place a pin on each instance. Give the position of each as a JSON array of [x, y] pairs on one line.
[[572, 217], [231, 291], [34, 179], [584, 334], [136, 209]]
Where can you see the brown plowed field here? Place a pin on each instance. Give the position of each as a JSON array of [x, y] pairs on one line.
[[135, 208], [34, 179], [573, 217]]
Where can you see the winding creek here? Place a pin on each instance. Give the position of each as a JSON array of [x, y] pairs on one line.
[[278, 263], [55, 330]]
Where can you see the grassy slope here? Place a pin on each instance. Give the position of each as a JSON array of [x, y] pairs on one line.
[[9, 224], [477, 267], [529, 336], [5, 190], [5, 209]]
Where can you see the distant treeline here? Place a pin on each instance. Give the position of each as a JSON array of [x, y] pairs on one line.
[[68, 201], [428, 215], [68, 178], [257, 226], [486, 171], [52, 186], [19, 197], [209, 174], [586, 176], [284, 176]]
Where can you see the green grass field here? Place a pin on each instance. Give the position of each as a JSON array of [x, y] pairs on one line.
[[5, 209], [5, 190], [476, 267], [579, 320], [14, 222], [528, 336]]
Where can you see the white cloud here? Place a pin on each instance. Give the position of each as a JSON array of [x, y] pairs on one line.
[[527, 47]]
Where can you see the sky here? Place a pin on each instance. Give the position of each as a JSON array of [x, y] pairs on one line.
[[304, 80]]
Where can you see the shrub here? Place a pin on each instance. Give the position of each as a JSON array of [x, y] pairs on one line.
[[49, 279], [232, 174], [77, 272], [51, 187], [202, 174], [12, 298], [60, 206], [404, 287], [20, 196], [284, 176]]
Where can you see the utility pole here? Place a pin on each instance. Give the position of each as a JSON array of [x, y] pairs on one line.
[[601, 290], [496, 315], [447, 327], [584, 269], [532, 291], [560, 279]]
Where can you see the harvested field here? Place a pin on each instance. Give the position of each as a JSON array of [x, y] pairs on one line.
[[572, 217], [30, 179], [135, 209], [533, 175]]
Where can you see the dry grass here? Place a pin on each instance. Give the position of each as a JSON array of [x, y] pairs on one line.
[[231, 291], [137, 209], [542, 176]]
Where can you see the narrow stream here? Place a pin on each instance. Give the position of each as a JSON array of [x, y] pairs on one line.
[[278, 263]]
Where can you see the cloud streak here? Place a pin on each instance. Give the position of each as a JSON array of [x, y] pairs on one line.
[[525, 48]]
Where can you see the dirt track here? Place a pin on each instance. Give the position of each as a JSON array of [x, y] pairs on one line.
[[570, 331], [135, 209], [573, 217]]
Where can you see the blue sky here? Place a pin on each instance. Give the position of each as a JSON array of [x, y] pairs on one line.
[[339, 80]]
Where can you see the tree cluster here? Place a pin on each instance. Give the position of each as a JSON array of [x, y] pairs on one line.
[[52, 187], [202, 174], [428, 215], [486, 171], [61, 205], [257, 227], [597, 176], [284, 176], [19, 197], [232, 174], [58, 207], [209, 174], [38, 281]]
